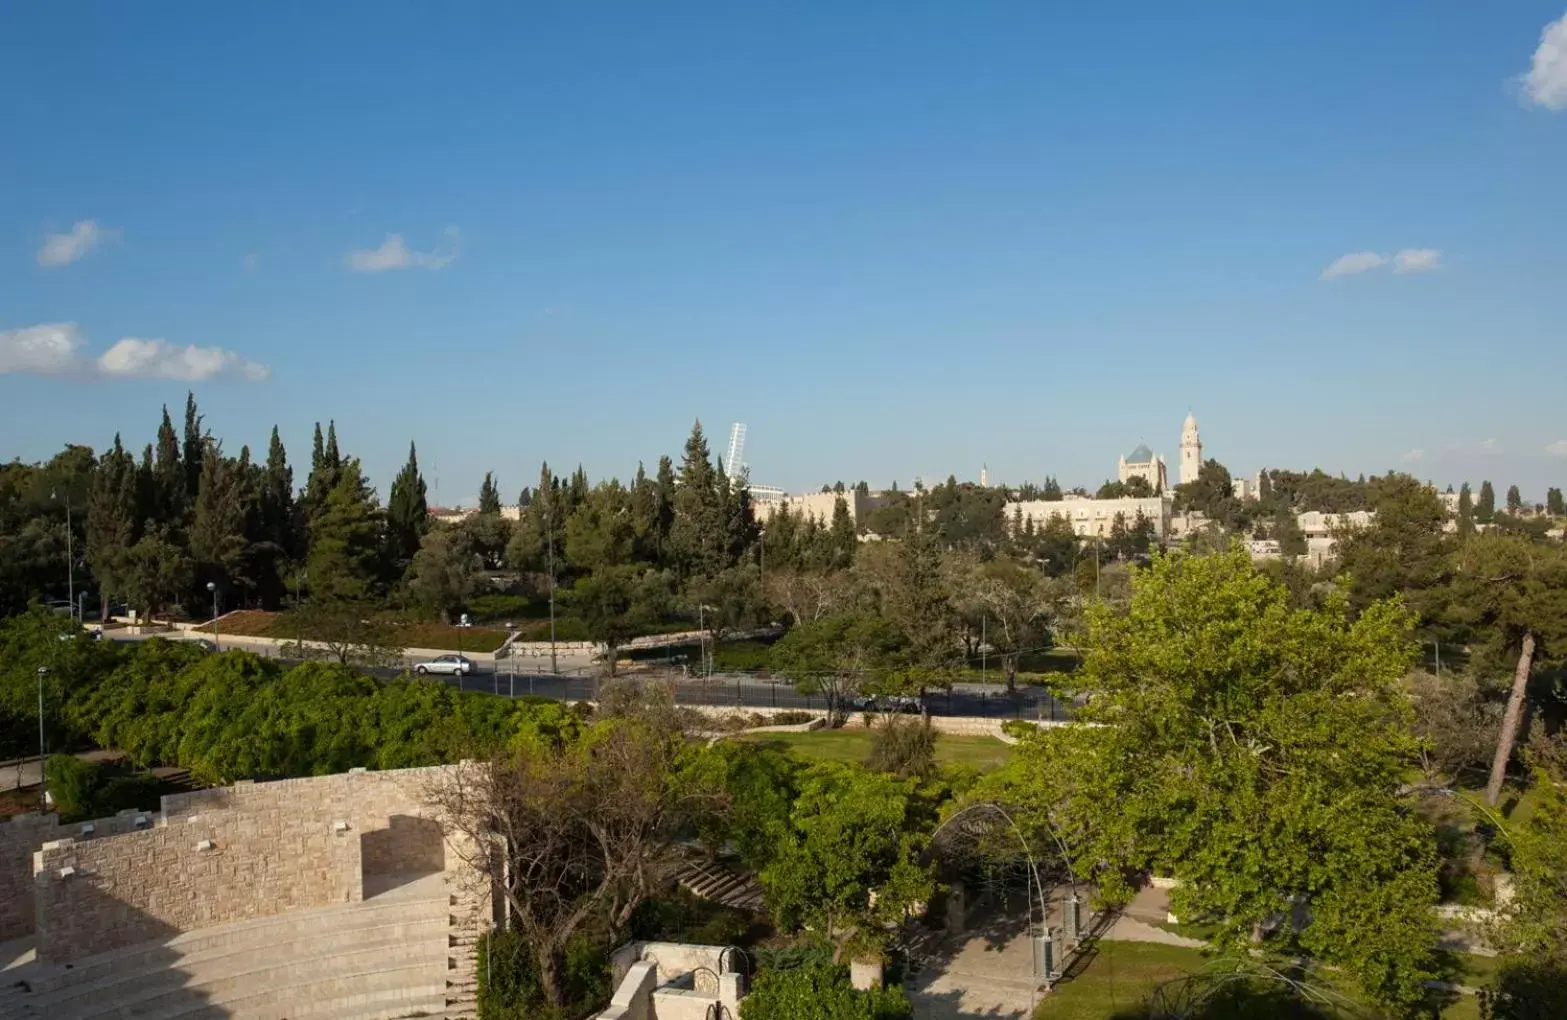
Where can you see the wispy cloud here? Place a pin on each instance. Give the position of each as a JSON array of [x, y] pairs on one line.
[[56, 348], [1545, 83], [1352, 263], [1557, 449], [394, 253], [1414, 455], [251, 262], [63, 249], [1417, 260], [1403, 261]]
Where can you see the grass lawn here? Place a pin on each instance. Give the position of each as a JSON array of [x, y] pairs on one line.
[[258, 623], [1117, 980], [855, 746], [1121, 976]]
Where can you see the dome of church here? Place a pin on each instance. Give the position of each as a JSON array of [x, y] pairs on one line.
[[1191, 423], [1141, 455]]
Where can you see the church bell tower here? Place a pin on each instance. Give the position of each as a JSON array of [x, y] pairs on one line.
[[1191, 450]]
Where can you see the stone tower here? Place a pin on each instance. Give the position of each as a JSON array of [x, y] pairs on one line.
[[1191, 450]]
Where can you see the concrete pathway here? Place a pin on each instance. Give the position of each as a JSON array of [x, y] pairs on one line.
[[989, 973]]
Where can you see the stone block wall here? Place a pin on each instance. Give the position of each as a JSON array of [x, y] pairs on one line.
[[249, 850], [23, 835], [202, 870]]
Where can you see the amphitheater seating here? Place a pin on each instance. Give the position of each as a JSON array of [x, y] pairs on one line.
[[386, 957]]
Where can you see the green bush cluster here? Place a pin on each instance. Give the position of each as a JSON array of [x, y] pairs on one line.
[[236, 716], [820, 991], [82, 789], [509, 986]]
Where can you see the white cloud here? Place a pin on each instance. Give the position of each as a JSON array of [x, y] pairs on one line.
[[47, 349], [1352, 263], [63, 249], [158, 359], [1417, 260], [394, 253], [1545, 84], [56, 349], [1413, 455], [1404, 261], [1557, 449]]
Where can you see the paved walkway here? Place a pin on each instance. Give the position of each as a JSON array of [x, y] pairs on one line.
[[987, 974]]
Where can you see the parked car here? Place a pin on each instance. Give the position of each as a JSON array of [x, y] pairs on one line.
[[447, 665]]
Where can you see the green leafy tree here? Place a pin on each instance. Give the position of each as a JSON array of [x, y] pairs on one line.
[[1286, 531], [836, 655], [1514, 500], [1017, 605], [1553, 502], [616, 604], [1404, 552], [849, 866], [1255, 751], [445, 572], [1531, 981], [601, 532], [1485, 509], [407, 514], [820, 992], [157, 570]]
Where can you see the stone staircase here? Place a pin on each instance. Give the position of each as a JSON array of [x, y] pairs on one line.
[[389, 957], [711, 881]]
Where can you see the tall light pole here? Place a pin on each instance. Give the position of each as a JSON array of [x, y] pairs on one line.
[[43, 785], [217, 642]]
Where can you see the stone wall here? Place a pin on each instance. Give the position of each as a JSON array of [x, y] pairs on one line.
[[202, 870], [22, 836], [249, 850]]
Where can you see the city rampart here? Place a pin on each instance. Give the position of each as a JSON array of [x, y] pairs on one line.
[[22, 836]]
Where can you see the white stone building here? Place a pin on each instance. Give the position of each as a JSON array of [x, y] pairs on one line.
[[1145, 464], [1095, 517]]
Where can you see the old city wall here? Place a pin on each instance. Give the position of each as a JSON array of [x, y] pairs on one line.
[[250, 850], [20, 838]]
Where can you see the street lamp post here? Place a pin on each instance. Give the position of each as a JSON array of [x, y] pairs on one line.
[[43, 784], [462, 625], [217, 641], [549, 528]]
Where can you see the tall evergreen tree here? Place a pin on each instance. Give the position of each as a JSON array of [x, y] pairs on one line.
[[1485, 509], [489, 495], [326, 467], [664, 499], [1553, 502], [407, 514], [1514, 500], [194, 447], [1466, 510], [168, 477], [345, 544], [844, 540], [698, 536], [277, 499], [111, 523], [217, 533]]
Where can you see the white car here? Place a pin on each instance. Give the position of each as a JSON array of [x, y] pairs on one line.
[[447, 665]]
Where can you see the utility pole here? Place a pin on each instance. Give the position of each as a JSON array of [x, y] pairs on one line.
[[984, 623], [43, 785]]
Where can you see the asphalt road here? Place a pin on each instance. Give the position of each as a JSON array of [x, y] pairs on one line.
[[747, 691]]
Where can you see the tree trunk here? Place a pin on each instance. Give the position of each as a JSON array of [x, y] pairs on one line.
[[610, 655], [1511, 721], [549, 977], [1010, 665]]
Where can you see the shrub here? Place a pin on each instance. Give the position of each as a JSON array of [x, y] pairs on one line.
[[904, 747], [71, 783], [1019, 728], [793, 717], [682, 917], [820, 992]]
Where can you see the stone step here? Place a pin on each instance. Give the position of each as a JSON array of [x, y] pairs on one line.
[[338, 923], [150, 993]]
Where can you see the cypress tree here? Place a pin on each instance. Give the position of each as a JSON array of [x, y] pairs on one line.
[[489, 495], [407, 513], [1485, 509]]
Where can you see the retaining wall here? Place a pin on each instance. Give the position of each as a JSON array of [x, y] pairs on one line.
[[22, 836]]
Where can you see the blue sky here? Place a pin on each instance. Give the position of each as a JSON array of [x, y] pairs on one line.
[[896, 239]]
